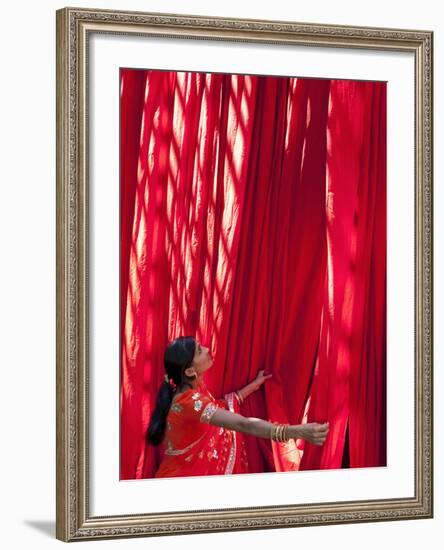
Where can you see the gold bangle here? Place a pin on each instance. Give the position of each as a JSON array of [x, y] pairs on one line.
[[279, 432], [284, 433], [277, 429], [273, 431]]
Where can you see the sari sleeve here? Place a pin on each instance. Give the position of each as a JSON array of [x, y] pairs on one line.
[[200, 406]]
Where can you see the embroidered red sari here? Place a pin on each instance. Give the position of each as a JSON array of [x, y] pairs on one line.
[[193, 447]]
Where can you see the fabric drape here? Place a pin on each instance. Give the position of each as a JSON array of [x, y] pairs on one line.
[[349, 381], [253, 218]]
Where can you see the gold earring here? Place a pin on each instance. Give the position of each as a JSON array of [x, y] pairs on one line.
[[193, 376]]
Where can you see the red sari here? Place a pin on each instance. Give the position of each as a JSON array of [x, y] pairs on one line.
[[193, 446]]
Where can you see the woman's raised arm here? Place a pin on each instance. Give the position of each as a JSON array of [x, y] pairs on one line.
[[313, 432], [253, 386]]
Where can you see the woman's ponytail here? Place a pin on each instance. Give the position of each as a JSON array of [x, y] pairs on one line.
[[156, 428], [178, 356]]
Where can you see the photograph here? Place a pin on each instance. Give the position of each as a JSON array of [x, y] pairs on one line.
[[244, 260], [253, 244]]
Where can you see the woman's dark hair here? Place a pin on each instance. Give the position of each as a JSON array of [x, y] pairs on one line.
[[178, 356]]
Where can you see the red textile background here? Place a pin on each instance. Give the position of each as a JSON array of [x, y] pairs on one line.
[[253, 217]]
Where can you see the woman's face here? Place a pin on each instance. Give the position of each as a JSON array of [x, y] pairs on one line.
[[202, 359]]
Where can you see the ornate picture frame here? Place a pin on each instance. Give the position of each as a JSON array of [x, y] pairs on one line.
[[75, 28]]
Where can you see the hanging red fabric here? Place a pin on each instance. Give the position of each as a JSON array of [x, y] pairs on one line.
[[349, 383], [228, 233]]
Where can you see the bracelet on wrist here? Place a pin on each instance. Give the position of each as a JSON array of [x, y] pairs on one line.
[[240, 398], [279, 432]]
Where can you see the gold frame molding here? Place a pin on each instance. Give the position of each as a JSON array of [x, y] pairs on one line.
[[73, 521]]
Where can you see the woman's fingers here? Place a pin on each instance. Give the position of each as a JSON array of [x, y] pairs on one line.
[[319, 439], [313, 432], [261, 374], [320, 432], [322, 427], [261, 377]]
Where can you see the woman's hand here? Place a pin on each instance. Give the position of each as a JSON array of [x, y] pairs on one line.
[[260, 379], [253, 386], [313, 432]]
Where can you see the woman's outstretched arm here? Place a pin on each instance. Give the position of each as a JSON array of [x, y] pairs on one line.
[[313, 432]]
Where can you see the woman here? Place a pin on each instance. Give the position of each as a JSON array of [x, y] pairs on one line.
[[203, 434]]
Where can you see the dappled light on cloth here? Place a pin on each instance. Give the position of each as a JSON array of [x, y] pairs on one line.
[[253, 217]]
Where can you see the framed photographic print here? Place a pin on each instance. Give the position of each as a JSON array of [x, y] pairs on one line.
[[244, 274]]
